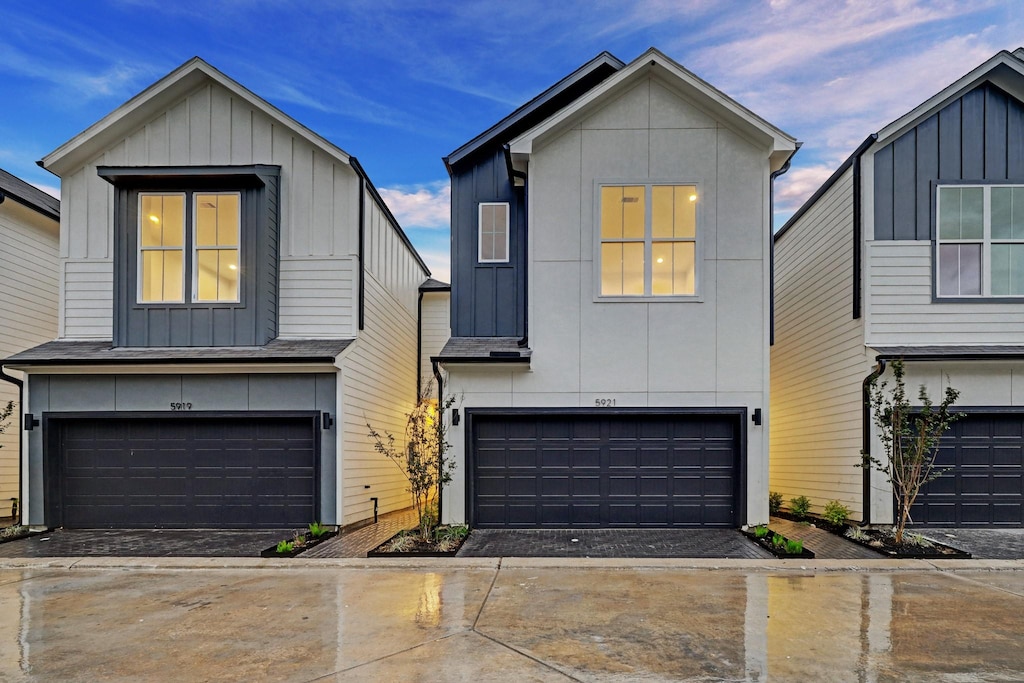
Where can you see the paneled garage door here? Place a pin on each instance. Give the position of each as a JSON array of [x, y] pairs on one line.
[[984, 483], [639, 470], [222, 472]]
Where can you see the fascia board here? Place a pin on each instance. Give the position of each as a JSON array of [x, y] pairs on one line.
[[175, 368], [721, 105], [951, 92], [157, 97]]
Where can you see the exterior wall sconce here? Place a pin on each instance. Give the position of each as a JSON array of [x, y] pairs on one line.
[[455, 417], [756, 417]]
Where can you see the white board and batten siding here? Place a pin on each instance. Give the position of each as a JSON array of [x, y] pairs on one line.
[[901, 310], [212, 126], [379, 372], [28, 312], [818, 360]]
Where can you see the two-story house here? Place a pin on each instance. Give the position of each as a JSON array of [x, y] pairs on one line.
[[236, 304], [610, 305], [913, 250], [29, 227]]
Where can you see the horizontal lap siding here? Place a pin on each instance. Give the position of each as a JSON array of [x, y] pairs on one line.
[[902, 311], [379, 372], [210, 126], [818, 360], [317, 297], [435, 324], [28, 312]]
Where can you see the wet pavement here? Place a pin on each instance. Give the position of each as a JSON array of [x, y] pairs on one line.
[[990, 544], [511, 620], [610, 543]]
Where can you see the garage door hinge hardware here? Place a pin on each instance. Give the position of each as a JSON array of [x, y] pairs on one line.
[[31, 422], [756, 417], [326, 420]]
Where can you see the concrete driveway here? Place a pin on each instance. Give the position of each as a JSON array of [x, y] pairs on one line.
[[529, 620]]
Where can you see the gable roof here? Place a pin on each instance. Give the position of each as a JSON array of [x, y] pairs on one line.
[[155, 99], [551, 100], [18, 190], [1004, 69], [783, 145]]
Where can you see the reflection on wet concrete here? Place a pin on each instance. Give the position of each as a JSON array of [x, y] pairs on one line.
[[515, 623]]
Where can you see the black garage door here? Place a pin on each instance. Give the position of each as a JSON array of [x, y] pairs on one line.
[[223, 472], [645, 470], [984, 482]]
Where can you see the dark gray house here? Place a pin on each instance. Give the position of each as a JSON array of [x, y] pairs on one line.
[[236, 303], [913, 249]]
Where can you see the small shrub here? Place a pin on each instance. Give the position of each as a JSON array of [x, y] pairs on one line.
[[401, 543], [917, 540], [451, 533], [794, 547], [760, 531], [857, 534], [778, 540], [800, 506], [836, 512], [316, 529], [285, 547], [774, 503]]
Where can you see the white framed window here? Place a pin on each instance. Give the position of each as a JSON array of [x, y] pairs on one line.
[[647, 240], [206, 257], [979, 246], [492, 236]]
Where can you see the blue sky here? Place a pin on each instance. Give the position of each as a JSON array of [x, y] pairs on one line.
[[399, 84]]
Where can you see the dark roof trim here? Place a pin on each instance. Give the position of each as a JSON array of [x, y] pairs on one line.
[[387, 212], [605, 59], [197, 360], [13, 187], [932, 353], [432, 285], [827, 185], [480, 359], [126, 175]]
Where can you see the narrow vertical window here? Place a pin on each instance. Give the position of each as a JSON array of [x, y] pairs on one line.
[[493, 233], [161, 248], [217, 227]]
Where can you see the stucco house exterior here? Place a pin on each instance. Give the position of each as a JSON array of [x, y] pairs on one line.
[[610, 306], [236, 304], [29, 227], [913, 249]]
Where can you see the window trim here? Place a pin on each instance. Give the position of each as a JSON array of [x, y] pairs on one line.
[[195, 249], [698, 243], [479, 232], [986, 243], [190, 257]]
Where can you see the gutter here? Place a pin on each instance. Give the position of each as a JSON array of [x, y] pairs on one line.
[[771, 250], [866, 436], [512, 175], [21, 433]]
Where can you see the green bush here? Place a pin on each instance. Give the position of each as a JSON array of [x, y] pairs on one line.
[[285, 547], [778, 540], [836, 512], [800, 506], [316, 529], [774, 502], [794, 547], [760, 531]]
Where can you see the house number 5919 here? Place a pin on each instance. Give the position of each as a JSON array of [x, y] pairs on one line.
[[604, 402], [181, 406]]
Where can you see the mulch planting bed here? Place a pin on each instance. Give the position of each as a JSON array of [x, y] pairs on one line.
[[881, 540], [413, 546], [778, 551], [302, 544]]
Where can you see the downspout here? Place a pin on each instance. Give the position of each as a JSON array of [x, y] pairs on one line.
[[419, 348], [362, 239], [21, 432], [858, 229], [512, 175], [771, 249], [440, 402], [866, 437]]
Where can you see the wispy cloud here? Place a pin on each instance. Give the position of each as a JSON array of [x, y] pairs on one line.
[[420, 206], [51, 190], [799, 184]]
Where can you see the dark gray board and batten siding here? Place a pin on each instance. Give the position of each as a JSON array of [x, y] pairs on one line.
[[978, 137], [250, 322], [488, 299]]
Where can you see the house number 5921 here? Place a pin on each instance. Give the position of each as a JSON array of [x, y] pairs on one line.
[[604, 402], [181, 406]]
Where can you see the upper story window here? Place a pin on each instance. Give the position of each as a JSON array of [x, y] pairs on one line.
[[980, 241], [648, 240], [493, 232], [188, 237]]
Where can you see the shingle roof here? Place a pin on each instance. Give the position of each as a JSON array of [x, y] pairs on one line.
[[935, 352], [62, 352], [432, 285], [17, 189], [484, 350]]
